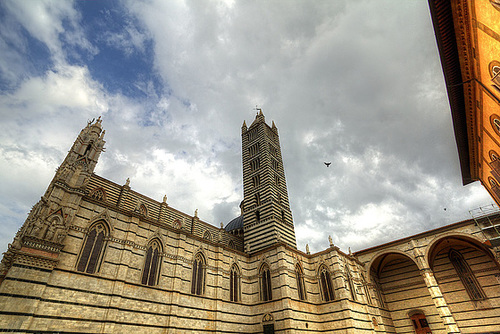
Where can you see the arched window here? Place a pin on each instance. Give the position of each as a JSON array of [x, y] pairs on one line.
[[299, 276], [198, 277], [231, 244], [266, 291], [151, 270], [207, 236], [494, 68], [92, 251], [350, 283], [234, 284], [494, 186], [326, 284], [495, 164], [495, 123], [257, 199], [466, 275]]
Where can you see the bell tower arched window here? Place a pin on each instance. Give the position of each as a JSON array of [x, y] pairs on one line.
[[92, 250], [266, 291], [151, 269], [326, 287], [198, 277]]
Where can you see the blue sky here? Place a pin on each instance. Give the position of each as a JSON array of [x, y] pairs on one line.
[[357, 83]]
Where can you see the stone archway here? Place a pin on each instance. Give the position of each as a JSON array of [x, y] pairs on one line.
[[468, 275], [399, 287]]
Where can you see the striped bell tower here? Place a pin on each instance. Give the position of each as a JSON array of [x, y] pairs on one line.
[[267, 218]]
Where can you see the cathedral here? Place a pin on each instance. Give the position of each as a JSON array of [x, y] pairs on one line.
[[94, 256]]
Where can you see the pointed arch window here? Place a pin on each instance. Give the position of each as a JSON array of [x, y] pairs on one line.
[[266, 291], [350, 283], [207, 236], [234, 284], [198, 277], [299, 276], [151, 269], [326, 284], [466, 275], [92, 250], [494, 68], [495, 188], [495, 164]]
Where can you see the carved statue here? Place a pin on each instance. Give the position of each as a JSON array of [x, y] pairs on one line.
[[36, 227], [50, 233], [330, 240]]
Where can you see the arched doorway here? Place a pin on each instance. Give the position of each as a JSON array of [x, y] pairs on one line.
[[420, 323], [467, 274], [268, 323]]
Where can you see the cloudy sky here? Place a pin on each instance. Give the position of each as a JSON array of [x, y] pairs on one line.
[[357, 83]]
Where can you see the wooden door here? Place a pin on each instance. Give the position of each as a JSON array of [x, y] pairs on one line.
[[420, 324]]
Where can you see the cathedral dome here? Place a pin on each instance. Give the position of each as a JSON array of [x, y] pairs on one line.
[[235, 224]]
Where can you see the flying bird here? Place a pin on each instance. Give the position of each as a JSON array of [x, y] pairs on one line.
[[328, 164]]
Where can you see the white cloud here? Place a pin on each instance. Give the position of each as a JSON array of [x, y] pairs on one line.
[[345, 82]]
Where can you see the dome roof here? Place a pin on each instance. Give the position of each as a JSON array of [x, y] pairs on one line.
[[234, 224]]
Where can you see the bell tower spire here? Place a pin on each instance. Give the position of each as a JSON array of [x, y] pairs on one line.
[[40, 239], [82, 158], [267, 218]]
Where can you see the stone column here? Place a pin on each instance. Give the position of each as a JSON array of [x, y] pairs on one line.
[[441, 305], [434, 290]]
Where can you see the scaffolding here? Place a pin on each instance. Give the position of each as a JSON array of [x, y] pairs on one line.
[[487, 218]]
